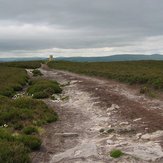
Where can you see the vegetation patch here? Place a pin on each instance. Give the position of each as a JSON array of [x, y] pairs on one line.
[[147, 73], [64, 98], [37, 72], [115, 153], [148, 91], [24, 64], [32, 142], [11, 80], [30, 130], [144, 90], [20, 117], [13, 152], [44, 88], [24, 113], [110, 130], [19, 120], [101, 130]]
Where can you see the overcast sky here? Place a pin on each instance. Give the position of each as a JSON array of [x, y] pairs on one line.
[[80, 27]]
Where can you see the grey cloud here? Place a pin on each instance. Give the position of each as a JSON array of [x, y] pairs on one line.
[[77, 24]]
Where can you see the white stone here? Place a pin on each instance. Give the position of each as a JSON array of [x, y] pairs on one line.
[[109, 142], [138, 135], [138, 119], [124, 123], [153, 136], [113, 107], [108, 114], [110, 126]]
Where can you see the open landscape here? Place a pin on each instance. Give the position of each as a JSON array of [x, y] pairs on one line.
[[81, 81], [148, 74], [57, 113]]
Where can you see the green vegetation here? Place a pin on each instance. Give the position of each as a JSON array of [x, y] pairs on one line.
[[101, 130], [30, 130], [11, 80], [19, 120], [31, 142], [110, 130], [115, 153], [24, 111], [37, 72], [13, 152], [23, 64], [148, 73], [43, 88]]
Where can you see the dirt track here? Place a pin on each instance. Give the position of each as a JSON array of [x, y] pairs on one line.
[[89, 104]]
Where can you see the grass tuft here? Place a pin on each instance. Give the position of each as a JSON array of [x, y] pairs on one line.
[[30, 130], [37, 72], [115, 153], [44, 88]]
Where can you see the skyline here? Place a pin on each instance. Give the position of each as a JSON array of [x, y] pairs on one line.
[[74, 28]]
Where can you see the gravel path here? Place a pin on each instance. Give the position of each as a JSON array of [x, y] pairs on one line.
[[131, 123]]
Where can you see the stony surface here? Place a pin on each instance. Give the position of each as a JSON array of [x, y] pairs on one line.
[[92, 105]]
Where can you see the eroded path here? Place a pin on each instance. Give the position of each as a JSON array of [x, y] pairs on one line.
[[131, 123]]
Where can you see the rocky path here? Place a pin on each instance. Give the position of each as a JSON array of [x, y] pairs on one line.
[[127, 121]]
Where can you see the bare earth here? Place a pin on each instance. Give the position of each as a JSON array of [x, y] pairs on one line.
[[89, 104]]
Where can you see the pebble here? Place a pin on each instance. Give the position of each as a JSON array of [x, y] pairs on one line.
[[110, 142], [138, 135], [138, 119], [124, 123]]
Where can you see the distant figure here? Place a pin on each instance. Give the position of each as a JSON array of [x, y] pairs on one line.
[[51, 58]]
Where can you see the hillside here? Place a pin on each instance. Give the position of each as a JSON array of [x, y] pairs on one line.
[[16, 59], [122, 57]]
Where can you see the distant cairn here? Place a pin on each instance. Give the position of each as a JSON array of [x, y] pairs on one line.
[[51, 58]]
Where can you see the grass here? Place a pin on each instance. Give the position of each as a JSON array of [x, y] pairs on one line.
[[37, 72], [23, 64], [30, 130], [101, 130], [43, 88], [31, 142], [24, 112], [110, 130], [115, 153], [19, 120], [13, 152], [149, 73], [11, 80]]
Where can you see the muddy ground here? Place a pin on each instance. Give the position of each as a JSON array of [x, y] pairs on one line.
[[131, 122]]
